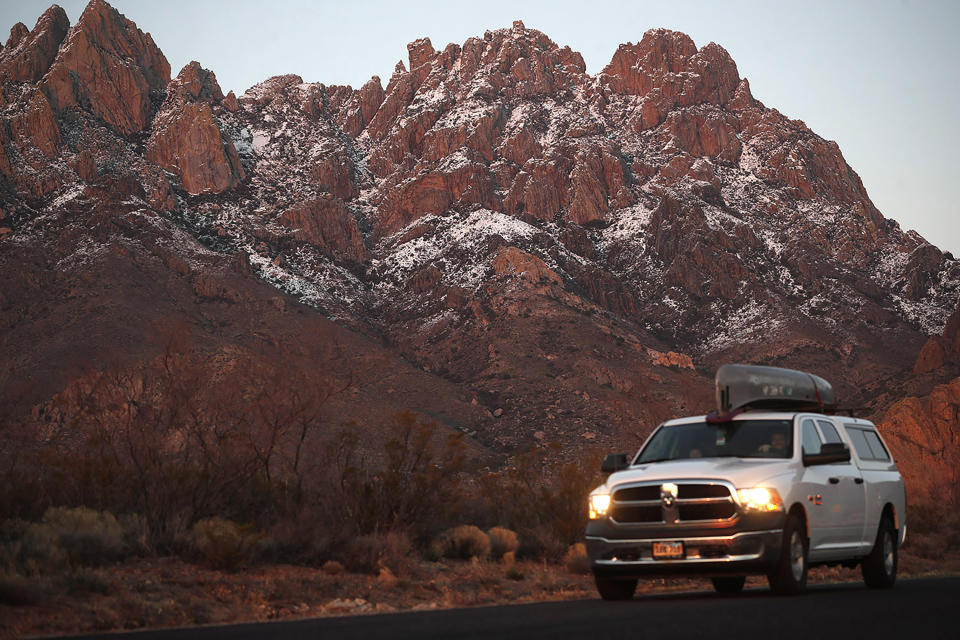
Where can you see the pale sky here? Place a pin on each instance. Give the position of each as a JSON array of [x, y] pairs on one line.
[[880, 78]]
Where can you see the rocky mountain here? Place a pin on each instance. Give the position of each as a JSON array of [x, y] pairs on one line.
[[535, 253], [923, 424]]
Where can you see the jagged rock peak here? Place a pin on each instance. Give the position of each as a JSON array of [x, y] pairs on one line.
[[28, 54], [17, 33], [186, 139], [654, 64], [195, 83], [108, 67]]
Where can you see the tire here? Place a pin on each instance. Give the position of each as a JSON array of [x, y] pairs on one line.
[[616, 589], [880, 567], [729, 585], [790, 575]]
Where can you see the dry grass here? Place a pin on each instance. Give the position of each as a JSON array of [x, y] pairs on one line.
[[168, 591]]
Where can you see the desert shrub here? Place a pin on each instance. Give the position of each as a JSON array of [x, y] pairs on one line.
[[19, 591], [88, 537], [510, 557], [375, 551], [67, 537], [575, 559], [223, 544], [463, 542], [502, 541], [541, 541], [332, 568]]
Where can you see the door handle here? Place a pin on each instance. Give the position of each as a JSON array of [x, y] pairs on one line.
[[858, 480], [834, 480]]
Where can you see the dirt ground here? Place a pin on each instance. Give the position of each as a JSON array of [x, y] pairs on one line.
[[163, 592]]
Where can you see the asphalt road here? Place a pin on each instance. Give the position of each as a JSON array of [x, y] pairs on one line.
[[912, 610]]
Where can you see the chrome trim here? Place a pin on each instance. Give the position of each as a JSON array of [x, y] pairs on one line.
[[696, 539], [656, 503], [696, 560], [732, 498], [694, 542]]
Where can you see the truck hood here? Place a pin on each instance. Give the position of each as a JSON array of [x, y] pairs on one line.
[[741, 472]]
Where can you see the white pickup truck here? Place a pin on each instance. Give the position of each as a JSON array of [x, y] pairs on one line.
[[763, 486]]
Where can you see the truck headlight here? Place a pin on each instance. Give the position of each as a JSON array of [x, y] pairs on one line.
[[760, 499], [599, 503]]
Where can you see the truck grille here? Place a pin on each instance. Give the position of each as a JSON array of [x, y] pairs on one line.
[[695, 502]]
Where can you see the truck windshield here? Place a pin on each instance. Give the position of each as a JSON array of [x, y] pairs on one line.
[[741, 439]]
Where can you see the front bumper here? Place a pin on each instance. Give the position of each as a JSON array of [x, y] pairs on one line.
[[627, 552]]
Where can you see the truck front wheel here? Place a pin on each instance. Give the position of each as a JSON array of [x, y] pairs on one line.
[[790, 574], [880, 567], [615, 589], [729, 585]]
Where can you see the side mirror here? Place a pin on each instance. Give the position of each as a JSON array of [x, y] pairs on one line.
[[829, 453], [614, 462]]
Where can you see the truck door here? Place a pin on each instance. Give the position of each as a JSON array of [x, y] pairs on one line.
[[848, 498], [814, 485]]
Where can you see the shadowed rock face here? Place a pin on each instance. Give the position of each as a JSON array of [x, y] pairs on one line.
[[185, 139], [577, 251]]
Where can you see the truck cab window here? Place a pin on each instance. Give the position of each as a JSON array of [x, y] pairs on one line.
[[829, 432], [811, 439]]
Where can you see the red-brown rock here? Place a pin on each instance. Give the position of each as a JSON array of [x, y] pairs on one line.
[[511, 261], [434, 193], [18, 32], [108, 67], [924, 435], [334, 174], [363, 105], [666, 67], [194, 84], [326, 223], [186, 139], [36, 126], [27, 56], [230, 102], [943, 349]]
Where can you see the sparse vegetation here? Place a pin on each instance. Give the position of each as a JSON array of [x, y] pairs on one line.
[[223, 544], [112, 487], [575, 559], [502, 541], [463, 542]]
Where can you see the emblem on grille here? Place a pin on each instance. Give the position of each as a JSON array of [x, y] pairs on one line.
[[668, 493]]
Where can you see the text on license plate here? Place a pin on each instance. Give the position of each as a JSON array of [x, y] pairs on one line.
[[666, 550]]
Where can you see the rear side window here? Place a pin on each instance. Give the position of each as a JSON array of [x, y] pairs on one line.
[[876, 446], [867, 444]]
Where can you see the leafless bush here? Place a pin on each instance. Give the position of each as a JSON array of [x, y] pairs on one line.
[[372, 552], [415, 487], [545, 503]]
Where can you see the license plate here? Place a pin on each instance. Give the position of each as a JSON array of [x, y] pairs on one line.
[[667, 550]]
